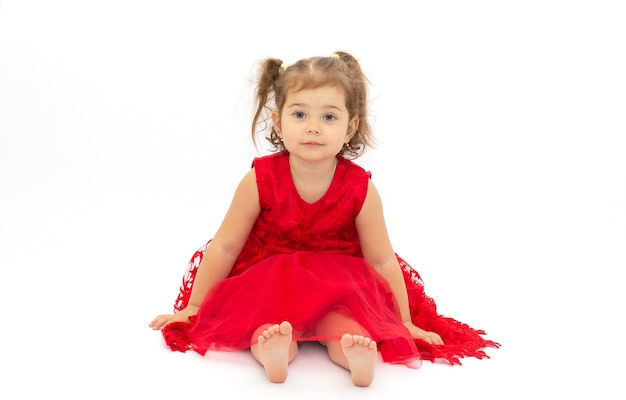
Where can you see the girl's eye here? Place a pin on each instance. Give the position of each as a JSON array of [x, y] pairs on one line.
[[298, 115], [329, 117]]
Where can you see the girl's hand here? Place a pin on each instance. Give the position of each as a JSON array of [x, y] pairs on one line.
[[418, 333], [182, 316]]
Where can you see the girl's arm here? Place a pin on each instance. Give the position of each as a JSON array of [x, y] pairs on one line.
[[223, 250], [378, 252]]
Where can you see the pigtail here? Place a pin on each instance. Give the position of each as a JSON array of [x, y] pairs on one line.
[[364, 136], [269, 71]]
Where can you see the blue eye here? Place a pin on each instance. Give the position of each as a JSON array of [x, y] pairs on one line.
[[329, 117], [298, 115]]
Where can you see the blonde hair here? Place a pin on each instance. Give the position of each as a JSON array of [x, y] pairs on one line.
[[276, 79]]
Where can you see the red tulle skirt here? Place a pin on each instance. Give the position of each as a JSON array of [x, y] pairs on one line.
[[303, 288]]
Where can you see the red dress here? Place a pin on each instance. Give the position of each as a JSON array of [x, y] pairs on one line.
[[302, 261]]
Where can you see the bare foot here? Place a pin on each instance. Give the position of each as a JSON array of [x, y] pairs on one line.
[[361, 354], [274, 343]]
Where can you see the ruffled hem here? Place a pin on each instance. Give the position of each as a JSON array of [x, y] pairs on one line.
[[460, 340], [175, 335], [321, 295]]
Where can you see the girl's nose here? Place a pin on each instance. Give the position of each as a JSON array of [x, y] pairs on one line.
[[313, 130]]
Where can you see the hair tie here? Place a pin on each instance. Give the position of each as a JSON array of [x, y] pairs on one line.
[[284, 66], [335, 55]]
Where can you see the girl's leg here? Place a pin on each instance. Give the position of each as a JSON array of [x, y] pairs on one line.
[[274, 349], [356, 351]]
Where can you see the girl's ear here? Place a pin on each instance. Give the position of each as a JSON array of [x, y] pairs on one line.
[[353, 126], [276, 122]]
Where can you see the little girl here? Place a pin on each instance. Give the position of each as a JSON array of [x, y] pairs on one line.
[[303, 252]]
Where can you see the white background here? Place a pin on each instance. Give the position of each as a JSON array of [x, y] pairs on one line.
[[124, 128]]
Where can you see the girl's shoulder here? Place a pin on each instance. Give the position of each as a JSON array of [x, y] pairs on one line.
[[270, 160], [353, 168]]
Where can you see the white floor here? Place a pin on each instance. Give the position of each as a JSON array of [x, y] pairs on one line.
[[124, 130]]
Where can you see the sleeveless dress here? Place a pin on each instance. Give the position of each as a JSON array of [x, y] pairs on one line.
[[303, 261]]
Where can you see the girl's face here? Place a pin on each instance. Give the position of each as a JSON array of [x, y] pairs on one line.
[[314, 124]]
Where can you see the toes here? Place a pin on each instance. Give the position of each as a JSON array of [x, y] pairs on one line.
[[271, 331], [284, 328], [347, 340]]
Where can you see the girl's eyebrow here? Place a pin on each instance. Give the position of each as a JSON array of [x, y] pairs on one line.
[[325, 106]]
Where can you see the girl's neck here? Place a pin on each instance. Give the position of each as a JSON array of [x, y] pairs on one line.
[[312, 170], [312, 180]]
